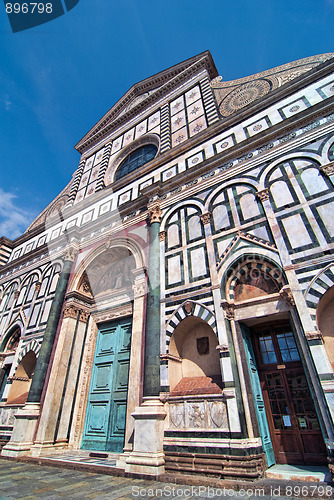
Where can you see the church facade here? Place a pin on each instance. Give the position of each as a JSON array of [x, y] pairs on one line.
[[173, 306]]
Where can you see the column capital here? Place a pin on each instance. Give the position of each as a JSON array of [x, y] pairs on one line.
[[205, 218], [162, 235], [228, 309], [70, 253], [71, 311], [286, 295], [154, 214], [317, 335], [328, 169], [38, 286], [263, 195]]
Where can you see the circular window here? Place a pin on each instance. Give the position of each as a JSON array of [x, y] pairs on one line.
[[136, 159]]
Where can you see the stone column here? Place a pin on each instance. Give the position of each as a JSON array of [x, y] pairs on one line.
[[147, 456], [152, 337], [26, 418]]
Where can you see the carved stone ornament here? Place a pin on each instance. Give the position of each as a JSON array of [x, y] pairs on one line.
[[71, 311], [38, 286], [263, 195], [107, 244], [328, 169], [228, 310], [139, 289], [155, 214], [188, 306], [16, 294], [205, 218], [84, 315], [162, 235], [70, 253], [314, 335], [286, 295]]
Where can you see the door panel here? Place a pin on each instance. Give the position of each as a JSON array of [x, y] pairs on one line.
[[292, 419], [106, 408]]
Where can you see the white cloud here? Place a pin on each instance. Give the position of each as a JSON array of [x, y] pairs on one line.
[[8, 102], [13, 220]]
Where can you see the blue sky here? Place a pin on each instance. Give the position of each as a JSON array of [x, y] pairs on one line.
[[57, 80]]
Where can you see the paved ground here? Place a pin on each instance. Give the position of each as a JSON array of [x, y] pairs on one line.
[[28, 481]]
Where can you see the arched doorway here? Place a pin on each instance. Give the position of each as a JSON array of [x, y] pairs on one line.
[[289, 426], [108, 277]]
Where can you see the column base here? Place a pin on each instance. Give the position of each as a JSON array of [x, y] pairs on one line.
[[147, 456], [145, 463], [22, 438]]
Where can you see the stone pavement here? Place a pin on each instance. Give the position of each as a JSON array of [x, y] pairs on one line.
[[30, 481]]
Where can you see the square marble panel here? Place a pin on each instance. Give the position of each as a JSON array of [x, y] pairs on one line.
[[224, 144], [294, 108], [176, 106], [128, 137], [99, 156], [80, 195], [194, 111], [145, 184], [169, 173], [141, 129], [72, 223], [154, 120], [116, 145], [178, 121], [197, 126], [326, 90], [195, 159], [106, 207], [192, 95], [84, 180], [41, 240], [55, 233], [87, 217], [89, 163], [179, 136], [124, 197], [94, 173], [91, 189], [257, 127]]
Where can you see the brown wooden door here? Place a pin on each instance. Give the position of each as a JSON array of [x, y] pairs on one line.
[[292, 419]]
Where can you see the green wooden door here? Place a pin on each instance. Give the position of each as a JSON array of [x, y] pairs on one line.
[[258, 399], [106, 408]]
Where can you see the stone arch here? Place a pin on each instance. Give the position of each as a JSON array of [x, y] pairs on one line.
[[125, 243], [190, 308], [33, 345], [327, 146], [17, 326], [241, 181], [178, 206], [317, 288], [22, 379], [325, 321], [269, 170]]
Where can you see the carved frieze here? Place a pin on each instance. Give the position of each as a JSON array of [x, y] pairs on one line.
[[201, 414]]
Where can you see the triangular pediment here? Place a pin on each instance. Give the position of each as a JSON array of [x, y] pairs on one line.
[[244, 239], [145, 94]]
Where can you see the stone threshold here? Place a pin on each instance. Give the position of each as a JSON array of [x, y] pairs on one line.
[[299, 473]]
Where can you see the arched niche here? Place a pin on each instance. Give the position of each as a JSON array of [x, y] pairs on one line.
[[21, 381], [193, 357], [325, 320]]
